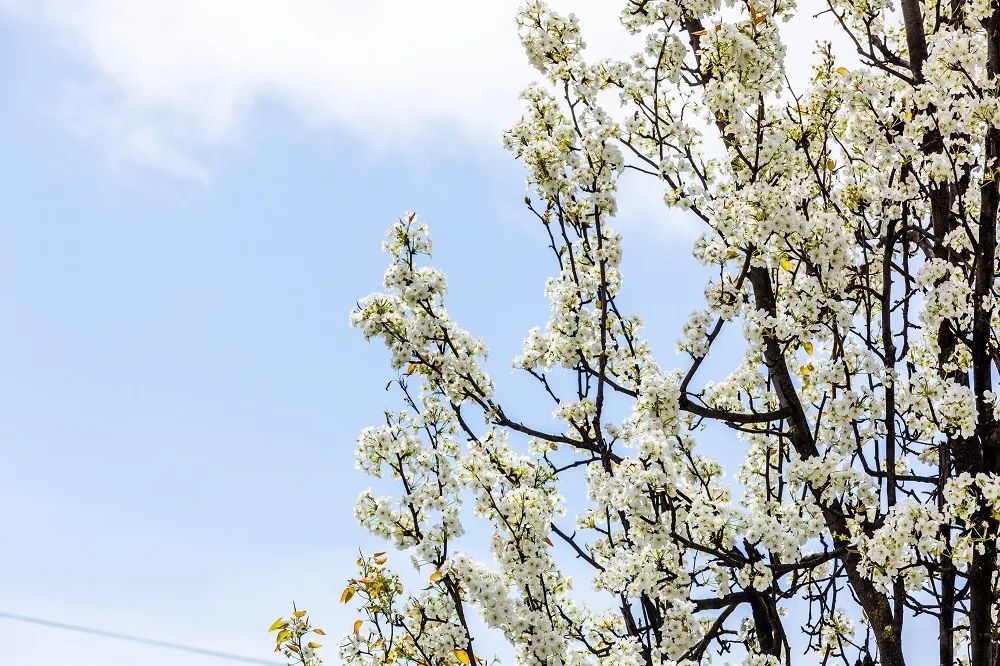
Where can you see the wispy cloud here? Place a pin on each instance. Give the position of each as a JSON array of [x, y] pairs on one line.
[[168, 83], [170, 79]]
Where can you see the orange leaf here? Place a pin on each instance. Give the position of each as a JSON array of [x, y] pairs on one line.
[[357, 626], [346, 595]]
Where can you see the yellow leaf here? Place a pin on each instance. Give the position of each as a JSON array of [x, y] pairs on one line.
[[277, 624], [357, 626], [830, 164], [319, 631], [282, 636], [379, 554], [786, 264], [411, 368], [381, 560], [346, 595], [314, 645], [841, 70], [462, 655], [732, 254], [806, 369], [808, 346], [436, 576], [908, 115], [299, 614]]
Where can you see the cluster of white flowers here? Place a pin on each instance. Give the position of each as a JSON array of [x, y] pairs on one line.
[[936, 405], [891, 552], [412, 321], [428, 513]]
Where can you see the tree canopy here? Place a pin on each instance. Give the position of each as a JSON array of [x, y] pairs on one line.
[[850, 228]]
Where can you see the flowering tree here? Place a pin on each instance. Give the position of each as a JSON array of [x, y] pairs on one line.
[[851, 231]]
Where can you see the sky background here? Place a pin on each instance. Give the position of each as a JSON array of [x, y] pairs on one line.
[[192, 197]]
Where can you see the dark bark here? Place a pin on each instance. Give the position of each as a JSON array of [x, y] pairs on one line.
[[982, 571], [916, 41], [874, 603]]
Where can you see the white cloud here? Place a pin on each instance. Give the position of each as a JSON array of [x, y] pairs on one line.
[[172, 77], [173, 80]]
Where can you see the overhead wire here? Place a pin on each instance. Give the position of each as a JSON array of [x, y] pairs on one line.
[[155, 642]]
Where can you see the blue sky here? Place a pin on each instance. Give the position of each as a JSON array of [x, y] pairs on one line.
[[181, 241]]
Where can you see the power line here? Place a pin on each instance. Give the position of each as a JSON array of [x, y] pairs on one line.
[[138, 639]]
